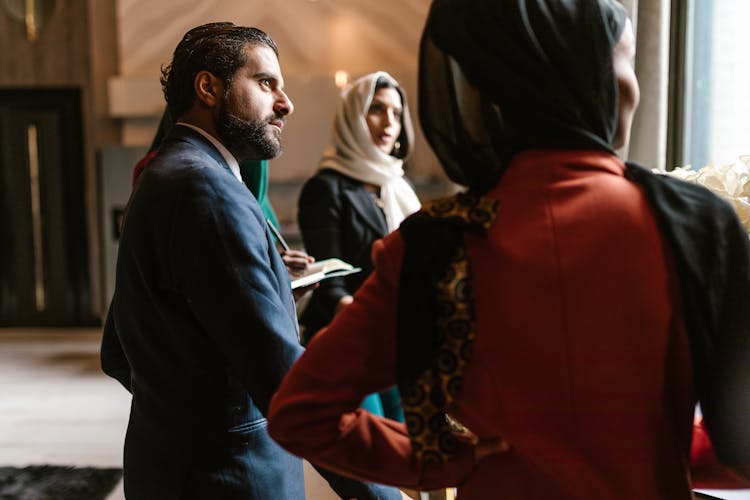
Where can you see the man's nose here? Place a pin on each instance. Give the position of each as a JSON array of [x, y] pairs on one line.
[[283, 105]]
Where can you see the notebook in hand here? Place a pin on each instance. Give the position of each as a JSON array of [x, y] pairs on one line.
[[324, 269]]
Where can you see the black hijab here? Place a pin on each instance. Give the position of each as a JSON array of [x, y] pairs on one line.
[[495, 77], [500, 76]]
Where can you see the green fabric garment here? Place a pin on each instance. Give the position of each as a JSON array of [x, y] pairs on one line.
[[255, 175]]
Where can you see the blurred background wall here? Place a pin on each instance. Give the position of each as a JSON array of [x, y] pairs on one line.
[[80, 101]]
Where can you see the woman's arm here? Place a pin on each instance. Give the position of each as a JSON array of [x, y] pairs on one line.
[[315, 413]]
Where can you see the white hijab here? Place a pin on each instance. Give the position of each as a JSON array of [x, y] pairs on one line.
[[355, 155]]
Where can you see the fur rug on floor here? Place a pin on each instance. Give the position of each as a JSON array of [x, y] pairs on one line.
[[49, 482]]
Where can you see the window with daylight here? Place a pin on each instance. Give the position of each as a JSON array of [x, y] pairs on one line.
[[713, 125]]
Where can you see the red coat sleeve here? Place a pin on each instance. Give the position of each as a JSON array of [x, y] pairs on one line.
[[315, 413]]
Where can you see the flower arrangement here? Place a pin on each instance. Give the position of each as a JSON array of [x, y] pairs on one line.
[[730, 181]]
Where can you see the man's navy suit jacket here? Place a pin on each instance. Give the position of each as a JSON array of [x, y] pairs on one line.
[[201, 330]]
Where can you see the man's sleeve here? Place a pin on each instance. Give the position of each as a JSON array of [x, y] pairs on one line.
[[222, 267], [224, 271]]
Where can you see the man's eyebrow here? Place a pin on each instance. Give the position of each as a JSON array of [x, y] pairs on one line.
[[262, 75]]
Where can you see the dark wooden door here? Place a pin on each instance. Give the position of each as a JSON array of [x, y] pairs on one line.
[[43, 251]]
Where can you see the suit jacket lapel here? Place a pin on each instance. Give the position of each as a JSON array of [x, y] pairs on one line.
[[364, 204]]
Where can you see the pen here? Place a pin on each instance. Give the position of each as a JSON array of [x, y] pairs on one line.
[[278, 236]]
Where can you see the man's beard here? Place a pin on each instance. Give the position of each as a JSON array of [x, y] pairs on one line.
[[247, 139]]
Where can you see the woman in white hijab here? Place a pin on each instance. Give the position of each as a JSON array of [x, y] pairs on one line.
[[359, 193]]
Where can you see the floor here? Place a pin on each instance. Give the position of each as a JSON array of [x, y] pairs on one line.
[[58, 408]]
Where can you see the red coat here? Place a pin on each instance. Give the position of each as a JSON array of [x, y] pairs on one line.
[[581, 361]]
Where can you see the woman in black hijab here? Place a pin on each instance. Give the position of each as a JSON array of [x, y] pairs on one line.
[[552, 328]]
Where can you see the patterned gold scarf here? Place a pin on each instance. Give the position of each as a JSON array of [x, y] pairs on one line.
[[436, 317]]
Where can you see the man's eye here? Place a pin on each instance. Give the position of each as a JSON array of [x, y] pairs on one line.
[[266, 82]]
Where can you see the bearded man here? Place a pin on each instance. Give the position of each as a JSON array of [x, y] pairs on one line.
[[202, 326]]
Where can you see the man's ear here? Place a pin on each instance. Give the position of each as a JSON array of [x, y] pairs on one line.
[[208, 89]]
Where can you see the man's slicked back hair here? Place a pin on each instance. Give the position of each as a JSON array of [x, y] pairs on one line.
[[214, 47]]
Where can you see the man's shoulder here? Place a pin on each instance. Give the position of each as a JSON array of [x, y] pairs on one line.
[[190, 162], [184, 145]]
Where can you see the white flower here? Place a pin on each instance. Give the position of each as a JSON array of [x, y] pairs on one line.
[[731, 182]]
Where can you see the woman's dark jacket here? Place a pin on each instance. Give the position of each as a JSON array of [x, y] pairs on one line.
[[338, 217]]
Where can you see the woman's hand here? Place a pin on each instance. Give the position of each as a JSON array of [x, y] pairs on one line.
[[343, 302], [483, 447], [296, 262], [488, 447]]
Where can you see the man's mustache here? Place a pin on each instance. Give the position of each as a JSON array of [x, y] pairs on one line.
[[277, 118]]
